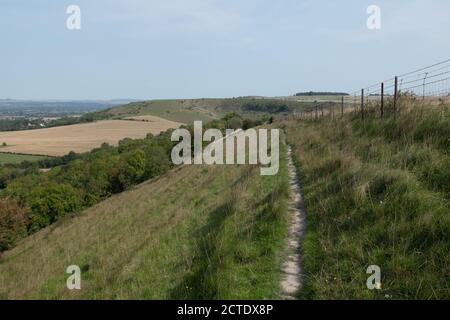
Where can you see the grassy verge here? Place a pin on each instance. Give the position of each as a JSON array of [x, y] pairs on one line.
[[377, 193], [206, 232]]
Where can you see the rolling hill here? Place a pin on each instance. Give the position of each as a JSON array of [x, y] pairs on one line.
[[188, 110]]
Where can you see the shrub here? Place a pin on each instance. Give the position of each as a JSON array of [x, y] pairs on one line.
[[157, 161], [132, 168], [51, 201], [13, 224]]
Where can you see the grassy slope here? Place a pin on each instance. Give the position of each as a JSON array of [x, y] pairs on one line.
[[186, 111], [196, 232], [18, 158], [377, 193]]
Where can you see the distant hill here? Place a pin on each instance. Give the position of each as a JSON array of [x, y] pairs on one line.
[[188, 110], [55, 108], [325, 93]]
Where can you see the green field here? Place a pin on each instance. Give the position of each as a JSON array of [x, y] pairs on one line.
[[197, 232], [18, 158], [377, 192]]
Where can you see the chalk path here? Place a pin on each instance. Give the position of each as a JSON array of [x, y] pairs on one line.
[[292, 277]]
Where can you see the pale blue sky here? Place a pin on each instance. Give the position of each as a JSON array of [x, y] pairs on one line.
[[148, 49]]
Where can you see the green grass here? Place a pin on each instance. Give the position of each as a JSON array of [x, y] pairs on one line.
[[376, 193], [198, 232], [185, 111], [188, 110], [6, 158]]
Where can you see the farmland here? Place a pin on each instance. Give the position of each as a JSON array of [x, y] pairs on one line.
[[18, 158], [59, 141]]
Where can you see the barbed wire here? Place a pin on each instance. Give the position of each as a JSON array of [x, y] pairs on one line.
[[432, 81]]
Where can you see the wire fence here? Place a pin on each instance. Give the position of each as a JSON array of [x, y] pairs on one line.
[[429, 85]]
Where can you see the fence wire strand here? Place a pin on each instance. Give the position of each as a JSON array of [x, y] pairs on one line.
[[431, 82]]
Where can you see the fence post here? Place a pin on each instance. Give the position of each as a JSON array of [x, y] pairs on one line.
[[395, 96], [317, 113], [362, 104], [342, 106], [382, 99], [321, 110], [423, 89]]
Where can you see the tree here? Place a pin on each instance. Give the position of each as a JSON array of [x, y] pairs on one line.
[[157, 161], [51, 201], [132, 168], [235, 123], [13, 224], [7, 174]]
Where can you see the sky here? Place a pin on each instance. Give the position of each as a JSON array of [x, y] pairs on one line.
[[160, 49]]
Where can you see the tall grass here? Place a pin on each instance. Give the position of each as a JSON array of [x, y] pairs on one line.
[[377, 192]]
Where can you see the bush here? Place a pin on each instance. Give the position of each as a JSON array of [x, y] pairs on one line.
[[235, 123], [157, 161], [132, 168], [51, 201], [13, 224]]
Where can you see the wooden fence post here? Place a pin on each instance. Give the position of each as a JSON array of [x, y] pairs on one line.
[[362, 104], [382, 100], [395, 96], [342, 106]]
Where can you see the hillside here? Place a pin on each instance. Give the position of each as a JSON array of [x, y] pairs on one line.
[[377, 192], [188, 110], [195, 232]]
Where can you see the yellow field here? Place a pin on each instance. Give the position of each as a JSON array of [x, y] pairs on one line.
[[59, 141]]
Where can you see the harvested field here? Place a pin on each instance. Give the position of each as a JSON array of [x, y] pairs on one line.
[[59, 141]]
